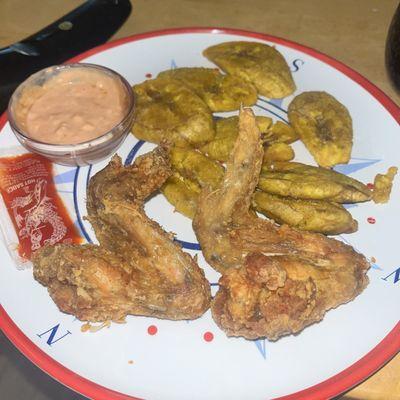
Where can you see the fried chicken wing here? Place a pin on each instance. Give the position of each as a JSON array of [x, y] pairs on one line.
[[276, 280], [137, 268]]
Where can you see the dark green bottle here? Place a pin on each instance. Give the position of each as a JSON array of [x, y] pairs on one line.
[[393, 50]]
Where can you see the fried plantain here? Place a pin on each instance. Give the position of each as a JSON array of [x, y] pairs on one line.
[[192, 171], [314, 183], [220, 92], [308, 215], [229, 127], [278, 152], [324, 125], [168, 110], [219, 148], [226, 133], [383, 186], [196, 166], [280, 132], [258, 63], [182, 193]]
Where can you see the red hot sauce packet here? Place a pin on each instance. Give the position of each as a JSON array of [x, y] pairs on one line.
[[35, 209]]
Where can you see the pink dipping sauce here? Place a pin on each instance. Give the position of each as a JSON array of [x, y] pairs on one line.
[[74, 106]]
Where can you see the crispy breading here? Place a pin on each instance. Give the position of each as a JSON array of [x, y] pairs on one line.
[[168, 110], [259, 63], [137, 269], [383, 186], [308, 215], [302, 181], [324, 125], [276, 280], [220, 92]]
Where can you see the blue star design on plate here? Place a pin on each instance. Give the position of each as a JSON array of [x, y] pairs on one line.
[[65, 177], [276, 102], [347, 206], [355, 164], [260, 344]]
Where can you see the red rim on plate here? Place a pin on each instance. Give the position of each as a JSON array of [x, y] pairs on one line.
[[331, 387]]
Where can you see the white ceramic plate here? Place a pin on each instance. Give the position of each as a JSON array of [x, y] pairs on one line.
[[154, 359]]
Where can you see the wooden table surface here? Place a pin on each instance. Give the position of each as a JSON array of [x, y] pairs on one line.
[[352, 31]]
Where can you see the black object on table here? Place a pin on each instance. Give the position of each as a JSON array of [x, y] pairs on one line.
[[87, 26], [393, 50]]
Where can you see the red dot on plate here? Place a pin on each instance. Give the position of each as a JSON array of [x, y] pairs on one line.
[[371, 220], [208, 336], [148, 75], [152, 330], [370, 186]]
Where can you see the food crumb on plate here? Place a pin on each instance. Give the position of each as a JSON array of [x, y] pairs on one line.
[[95, 328], [383, 186]]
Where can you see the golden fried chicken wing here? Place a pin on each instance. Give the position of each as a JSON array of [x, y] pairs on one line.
[[276, 280], [258, 63], [137, 269], [168, 110], [275, 296], [324, 125], [219, 92]]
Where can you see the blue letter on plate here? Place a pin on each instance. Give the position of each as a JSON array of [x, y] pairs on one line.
[[297, 64], [53, 333], [396, 277]]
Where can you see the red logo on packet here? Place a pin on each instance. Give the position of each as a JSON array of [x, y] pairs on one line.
[[35, 208]]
